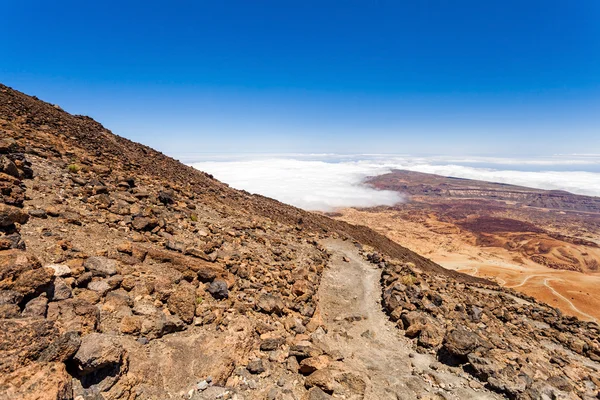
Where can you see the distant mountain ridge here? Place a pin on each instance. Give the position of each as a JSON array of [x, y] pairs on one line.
[[421, 184]]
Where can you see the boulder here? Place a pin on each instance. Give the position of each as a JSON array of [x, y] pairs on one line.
[[33, 282], [60, 290], [256, 366], [36, 308], [37, 381], [61, 349], [271, 341], [312, 364], [458, 344], [10, 215], [10, 297], [13, 263], [22, 340], [7, 166], [98, 351], [101, 287], [75, 314], [140, 223]]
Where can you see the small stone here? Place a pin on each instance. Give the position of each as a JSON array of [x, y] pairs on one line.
[[100, 266], [38, 213], [60, 290], [202, 385], [60, 270], [256, 366], [100, 287], [218, 289]]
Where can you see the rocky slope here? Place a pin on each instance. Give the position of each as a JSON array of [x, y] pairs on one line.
[[127, 275]]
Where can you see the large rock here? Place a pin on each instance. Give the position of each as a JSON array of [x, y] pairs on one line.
[[13, 263], [62, 349], [74, 314], [36, 308], [10, 297], [98, 351], [23, 340], [183, 302], [101, 287], [458, 344], [33, 282], [101, 266], [312, 364], [9, 215], [37, 381], [144, 223], [7, 166]]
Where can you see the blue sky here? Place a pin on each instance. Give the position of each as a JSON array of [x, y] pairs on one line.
[[443, 77]]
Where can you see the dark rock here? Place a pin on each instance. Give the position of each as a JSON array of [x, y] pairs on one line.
[[165, 197], [36, 307], [8, 167], [84, 279], [316, 393], [60, 290], [38, 213], [62, 349], [98, 351], [218, 289], [256, 366], [458, 344], [140, 223]]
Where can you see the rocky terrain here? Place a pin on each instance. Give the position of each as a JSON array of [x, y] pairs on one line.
[[544, 243], [125, 274]]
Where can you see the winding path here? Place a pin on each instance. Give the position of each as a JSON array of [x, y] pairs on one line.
[[556, 293], [371, 345]]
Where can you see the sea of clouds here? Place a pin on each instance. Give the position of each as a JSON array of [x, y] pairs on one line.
[[328, 181]]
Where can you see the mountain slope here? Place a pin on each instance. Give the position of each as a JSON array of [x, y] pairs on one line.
[[125, 274]]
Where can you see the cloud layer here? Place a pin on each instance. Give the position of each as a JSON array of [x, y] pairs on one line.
[[325, 182], [312, 185]]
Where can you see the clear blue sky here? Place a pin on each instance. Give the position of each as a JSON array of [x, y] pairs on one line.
[[456, 77]]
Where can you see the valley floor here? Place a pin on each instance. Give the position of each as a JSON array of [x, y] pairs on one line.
[[575, 293]]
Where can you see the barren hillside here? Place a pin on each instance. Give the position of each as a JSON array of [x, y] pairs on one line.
[[125, 274]]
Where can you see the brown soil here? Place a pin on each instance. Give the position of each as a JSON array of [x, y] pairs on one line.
[[483, 235]]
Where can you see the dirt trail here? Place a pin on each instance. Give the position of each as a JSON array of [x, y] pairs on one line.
[[566, 300], [357, 327]]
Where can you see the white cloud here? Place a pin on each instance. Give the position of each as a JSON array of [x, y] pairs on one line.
[[328, 181], [312, 185]]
